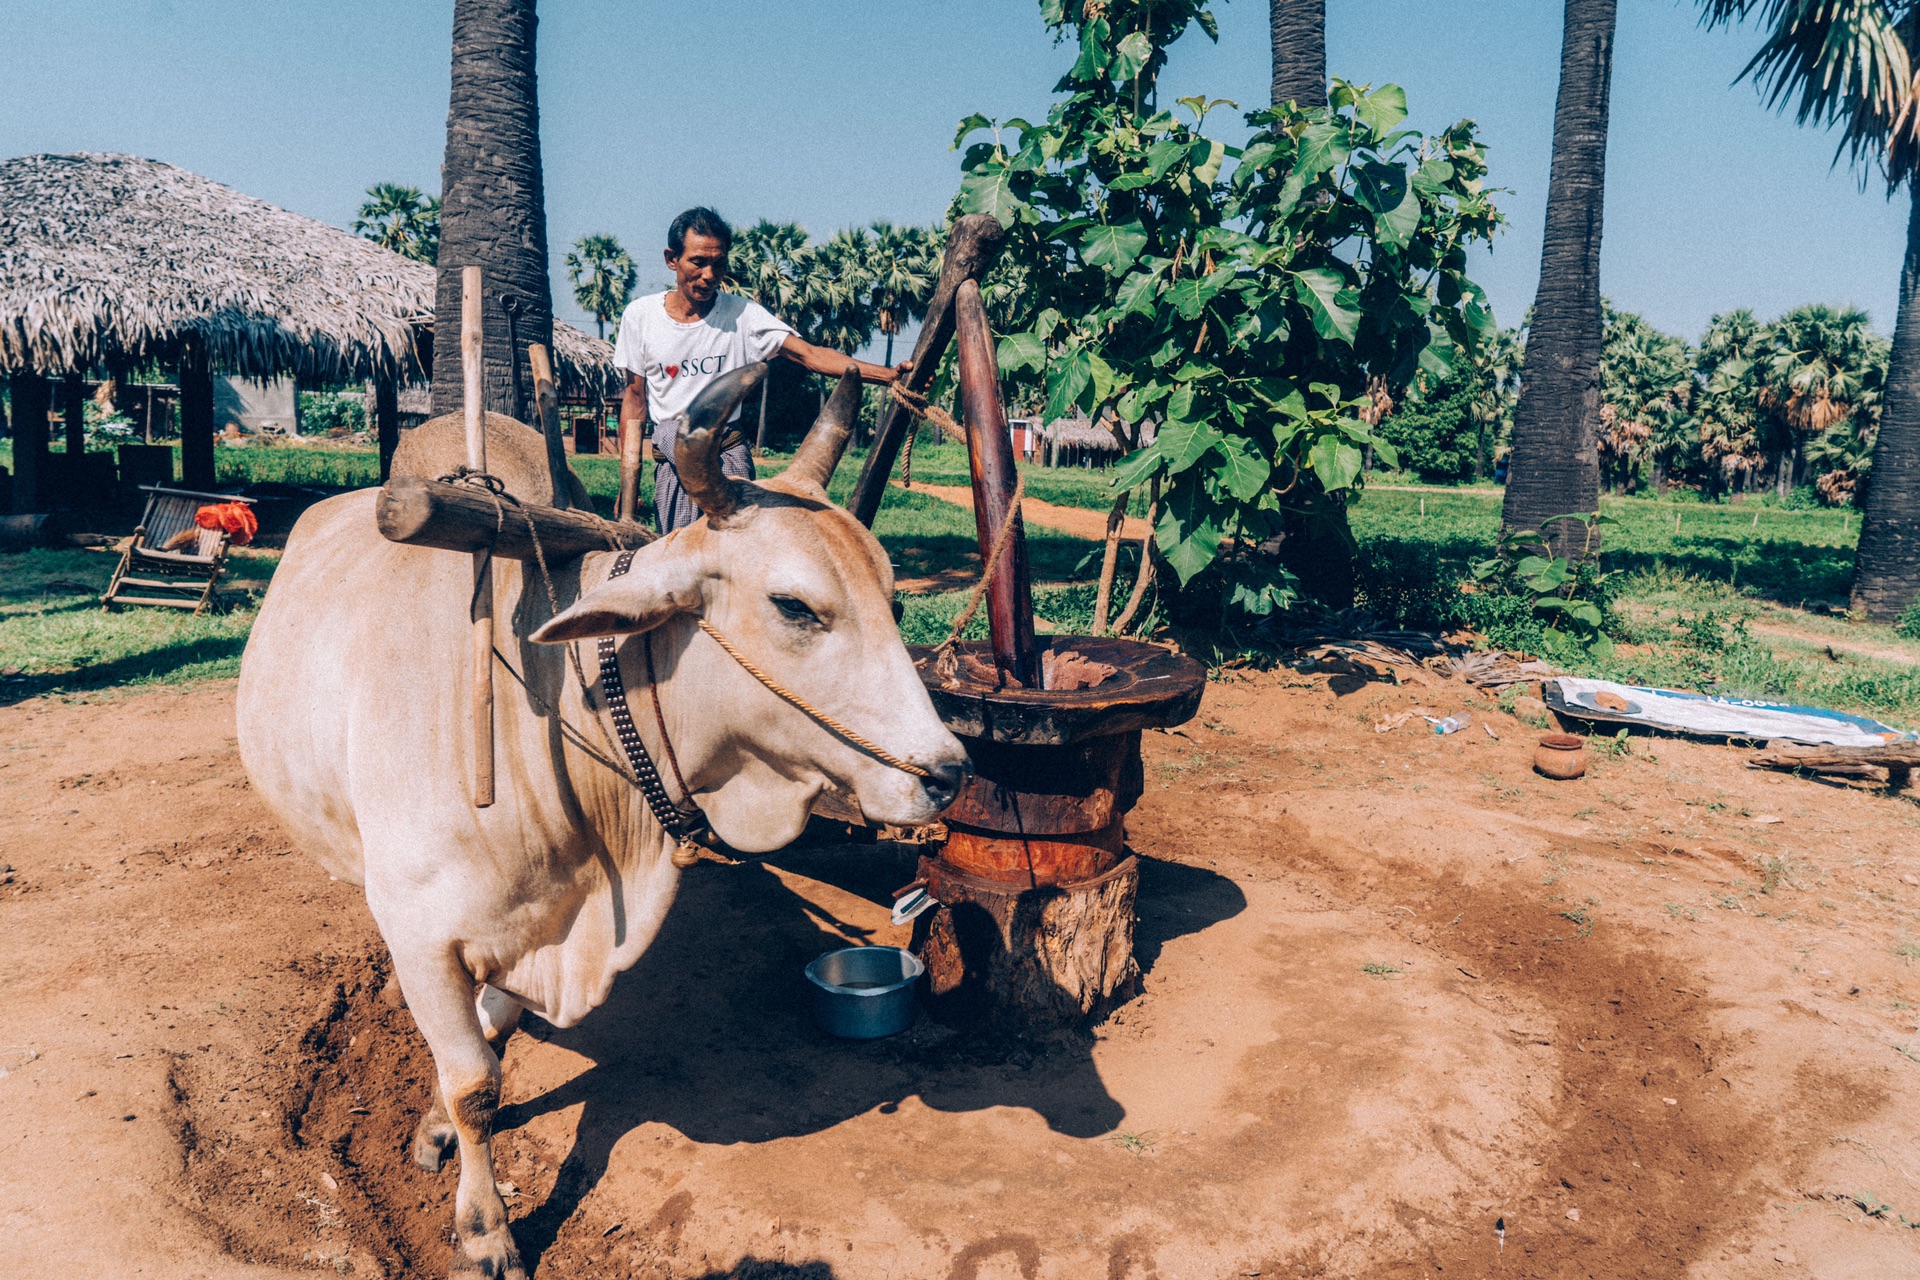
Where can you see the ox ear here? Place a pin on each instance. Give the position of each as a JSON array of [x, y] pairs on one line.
[[627, 605]]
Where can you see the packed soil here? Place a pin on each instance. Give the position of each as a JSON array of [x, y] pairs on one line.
[[1409, 1009], [1078, 521]]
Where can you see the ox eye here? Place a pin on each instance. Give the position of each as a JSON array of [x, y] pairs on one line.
[[795, 610]]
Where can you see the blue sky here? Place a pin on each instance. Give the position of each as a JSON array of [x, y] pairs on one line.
[[836, 112]]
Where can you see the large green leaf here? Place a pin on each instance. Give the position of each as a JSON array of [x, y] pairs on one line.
[[1094, 54], [1208, 156], [1182, 443], [1136, 469], [1164, 154], [1103, 378], [1131, 55], [1329, 302], [969, 125], [1137, 292], [1187, 533], [1113, 247], [1190, 296], [1384, 189], [1244, 474], [1068, 382], [1322, 147], [1382, 109], [990, 190], [1335, 461], [1022, 351]]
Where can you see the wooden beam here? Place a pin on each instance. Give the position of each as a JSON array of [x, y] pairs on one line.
[[458, 517], [546, 403], [30, 403], [972, 247], [386, 420], [74, 406], [473, 404], [990, 456], [196, 416]]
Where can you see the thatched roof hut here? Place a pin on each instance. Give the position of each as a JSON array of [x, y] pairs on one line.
[[115, 260], [1071, 442], [111, 258]]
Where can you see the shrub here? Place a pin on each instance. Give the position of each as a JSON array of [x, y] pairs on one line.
[[1407, 584], [1909, 623], [324, 411], [1435, 433]]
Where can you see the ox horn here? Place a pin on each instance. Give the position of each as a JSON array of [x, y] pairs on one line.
[[696, 454], [820, 452]]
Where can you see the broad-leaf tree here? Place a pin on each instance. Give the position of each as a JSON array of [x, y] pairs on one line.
[[402, 219], [1554, 469], [1850, 63], [602, 276], [493, 205], [1234, 307]]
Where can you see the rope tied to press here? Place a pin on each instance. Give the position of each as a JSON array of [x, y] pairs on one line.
[[927, 411]]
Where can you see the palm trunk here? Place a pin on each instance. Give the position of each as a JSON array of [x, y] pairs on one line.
[[1554, 469], [1299, 30], [493, 210], [1886, 574]]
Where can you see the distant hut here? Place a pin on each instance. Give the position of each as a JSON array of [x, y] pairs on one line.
[[115, 261], [1075, 442]]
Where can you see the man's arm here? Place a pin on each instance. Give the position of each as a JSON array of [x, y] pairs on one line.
[[833, 363], [633, 421]]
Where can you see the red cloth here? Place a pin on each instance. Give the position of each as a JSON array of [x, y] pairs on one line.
[[236, 518]]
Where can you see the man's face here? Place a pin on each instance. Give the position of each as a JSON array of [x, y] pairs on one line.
[[699, 268]]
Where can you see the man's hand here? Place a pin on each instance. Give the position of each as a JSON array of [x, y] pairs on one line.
[[901, 370]]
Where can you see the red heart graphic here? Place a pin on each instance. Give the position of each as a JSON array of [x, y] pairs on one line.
[[673, 371]]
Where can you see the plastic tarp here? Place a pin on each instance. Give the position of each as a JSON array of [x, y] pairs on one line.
[[1697, 713]]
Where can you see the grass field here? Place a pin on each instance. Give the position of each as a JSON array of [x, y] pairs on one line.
[[1712, 595]]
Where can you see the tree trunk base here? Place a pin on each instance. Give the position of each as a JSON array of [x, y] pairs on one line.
[[1027, 961]]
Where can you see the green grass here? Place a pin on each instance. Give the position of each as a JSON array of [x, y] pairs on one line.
[[54, 637]]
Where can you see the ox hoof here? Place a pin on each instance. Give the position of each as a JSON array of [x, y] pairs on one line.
[[434, 1141], [487, 1257]]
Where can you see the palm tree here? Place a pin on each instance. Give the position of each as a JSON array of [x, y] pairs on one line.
[[1646, 386], [493, 212], [1555, 467], [1299, 31], [765, 264], [602, 277], [401, 219], [834, 278], [1727, 369], [901, 270], [1850, 63], [1821, 365]]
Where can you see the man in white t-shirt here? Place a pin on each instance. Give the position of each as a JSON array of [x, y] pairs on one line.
[[673, 344]]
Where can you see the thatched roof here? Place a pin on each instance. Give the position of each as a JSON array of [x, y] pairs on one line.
[[109, 256], [1081, 434]]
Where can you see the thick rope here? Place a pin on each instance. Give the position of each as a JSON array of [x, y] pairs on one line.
[[818, 716]]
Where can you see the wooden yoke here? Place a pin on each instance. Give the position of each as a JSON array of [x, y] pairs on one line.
[[473, 402], [546, 402], [972, 247], [990, 457]]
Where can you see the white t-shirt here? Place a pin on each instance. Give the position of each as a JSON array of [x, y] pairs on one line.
[[676, 360]]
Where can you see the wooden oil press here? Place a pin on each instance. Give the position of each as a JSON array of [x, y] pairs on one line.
[[1034, 886]]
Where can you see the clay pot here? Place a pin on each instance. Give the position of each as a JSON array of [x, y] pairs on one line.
[[1561, 755]]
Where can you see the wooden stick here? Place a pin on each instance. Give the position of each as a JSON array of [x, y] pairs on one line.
[[546, 402], [990, 455], [458, 517], [474, 403], [972, 247]]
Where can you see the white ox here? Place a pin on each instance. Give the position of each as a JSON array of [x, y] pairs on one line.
[[355, 723]]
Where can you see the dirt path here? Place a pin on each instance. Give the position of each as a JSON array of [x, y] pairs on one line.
[[1077, 521], [1398, 989], [1829, 642]]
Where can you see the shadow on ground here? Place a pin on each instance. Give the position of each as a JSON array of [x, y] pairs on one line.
[[711, 1033]]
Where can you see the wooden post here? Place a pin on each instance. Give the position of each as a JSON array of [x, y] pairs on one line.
[[546, 403], [74, 405], [196, 416], [30, 397], [386, 419], [990, 455], [473, 403], [971, 249]]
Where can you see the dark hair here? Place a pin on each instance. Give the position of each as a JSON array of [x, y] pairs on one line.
[[702, 221]]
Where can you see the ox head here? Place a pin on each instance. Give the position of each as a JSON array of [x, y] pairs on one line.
[[805, 593]]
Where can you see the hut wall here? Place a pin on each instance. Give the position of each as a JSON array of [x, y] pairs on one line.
[[256, 405]]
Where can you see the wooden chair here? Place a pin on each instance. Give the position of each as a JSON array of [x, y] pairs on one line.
[[182, 578]]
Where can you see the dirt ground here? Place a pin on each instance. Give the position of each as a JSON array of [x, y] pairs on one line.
[[1399, 992]]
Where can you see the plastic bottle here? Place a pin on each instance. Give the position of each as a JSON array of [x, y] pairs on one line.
[[1452, 724]]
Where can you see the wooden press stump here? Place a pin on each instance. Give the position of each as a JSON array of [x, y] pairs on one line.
[[1034, 931]]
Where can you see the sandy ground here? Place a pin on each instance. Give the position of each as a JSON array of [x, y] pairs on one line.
[[1399, 991], [1077, 521]]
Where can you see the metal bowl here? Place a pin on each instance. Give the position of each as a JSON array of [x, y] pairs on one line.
[[863, 993]]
